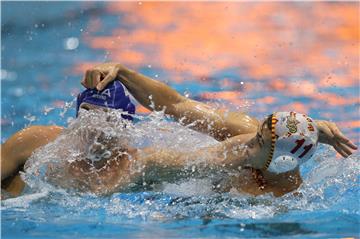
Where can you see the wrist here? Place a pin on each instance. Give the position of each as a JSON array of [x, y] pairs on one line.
[[319, 124], [123, 71]]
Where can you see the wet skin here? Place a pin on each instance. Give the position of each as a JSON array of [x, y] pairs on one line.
[[232, 129], [117, 173]]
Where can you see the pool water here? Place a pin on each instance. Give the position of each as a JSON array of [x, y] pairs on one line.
[[253, 57]]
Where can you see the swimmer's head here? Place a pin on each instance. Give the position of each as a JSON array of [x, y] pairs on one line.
[[293, 140], [114, 96]]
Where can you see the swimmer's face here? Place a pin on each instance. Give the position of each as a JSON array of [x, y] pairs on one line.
[[260, 144]]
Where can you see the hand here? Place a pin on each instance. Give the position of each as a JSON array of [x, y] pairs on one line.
[[330, 134], [99, 76]]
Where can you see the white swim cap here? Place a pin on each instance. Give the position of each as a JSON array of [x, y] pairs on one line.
[[294, 139]]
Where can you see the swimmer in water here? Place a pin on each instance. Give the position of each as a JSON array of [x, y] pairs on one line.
[[266, 154]]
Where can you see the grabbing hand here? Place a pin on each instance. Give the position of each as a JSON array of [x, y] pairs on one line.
[[330, 134], [101, 75]]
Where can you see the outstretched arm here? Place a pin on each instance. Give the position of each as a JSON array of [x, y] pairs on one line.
[[156, 95]]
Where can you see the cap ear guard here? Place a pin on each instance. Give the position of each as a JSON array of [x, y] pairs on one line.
[[271, 125]]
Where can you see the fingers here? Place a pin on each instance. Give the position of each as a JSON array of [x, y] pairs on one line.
[[85, 80], [108, 78], [341, 137], [333, 136], [326, 136], [101, 75], [342, 149], [96, 78], [339, 149], [92, 77], [351, 145], [337, 133], [346, 149]]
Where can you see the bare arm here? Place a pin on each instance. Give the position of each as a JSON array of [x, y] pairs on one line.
[[200, 116], [229, 154], [19, 147], [155, 95]]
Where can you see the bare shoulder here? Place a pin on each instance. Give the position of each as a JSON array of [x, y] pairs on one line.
[[19, 147], [46, 129], [34, 134]]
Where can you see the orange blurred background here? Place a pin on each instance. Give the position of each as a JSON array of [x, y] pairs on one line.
[[258, 57]]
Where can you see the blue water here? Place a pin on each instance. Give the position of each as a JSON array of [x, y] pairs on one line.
[[38, 86]]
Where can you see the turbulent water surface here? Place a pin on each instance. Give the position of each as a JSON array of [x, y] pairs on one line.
[[253, 57]]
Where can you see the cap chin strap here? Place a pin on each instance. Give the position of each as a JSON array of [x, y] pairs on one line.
[[273, 139]]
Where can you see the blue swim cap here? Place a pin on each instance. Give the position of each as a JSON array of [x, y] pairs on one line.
[[113, 96]]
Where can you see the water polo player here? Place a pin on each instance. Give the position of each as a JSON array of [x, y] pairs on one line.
[[19, 147], [264, 154], [276, 165]]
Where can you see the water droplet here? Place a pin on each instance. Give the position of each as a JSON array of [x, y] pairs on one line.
[[193, 168], [7, 75], [187, 94], [18, 92], [30, 118], [47, 109], [71, 43]]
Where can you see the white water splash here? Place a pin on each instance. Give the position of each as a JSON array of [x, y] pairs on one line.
[[326, 180]]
